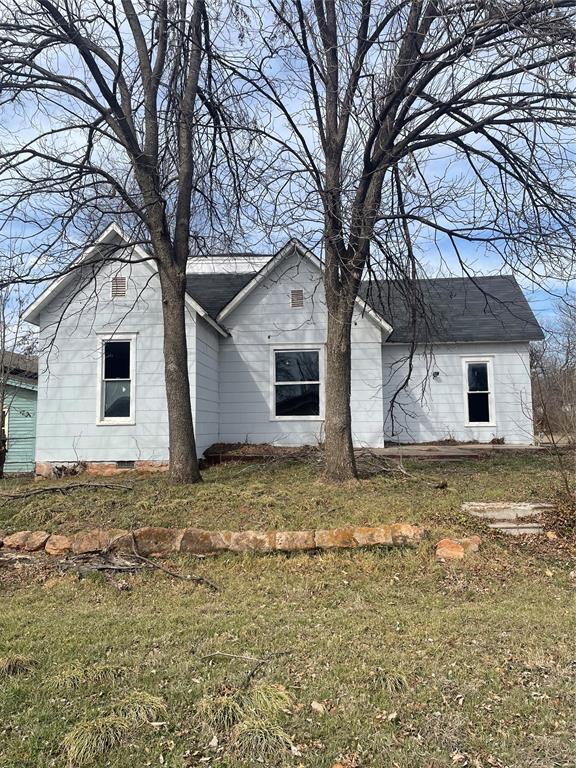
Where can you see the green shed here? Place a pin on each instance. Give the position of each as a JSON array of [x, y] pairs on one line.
[[20, 396]]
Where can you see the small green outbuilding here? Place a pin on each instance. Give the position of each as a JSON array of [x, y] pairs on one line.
[[20, 385]]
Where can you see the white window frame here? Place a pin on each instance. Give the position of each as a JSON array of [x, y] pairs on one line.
[[101, 420], [6, 425], [489, 361], [321, 367]]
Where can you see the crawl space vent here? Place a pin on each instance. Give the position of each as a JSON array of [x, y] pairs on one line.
[[125, 465], [297, 299], [118, 287]]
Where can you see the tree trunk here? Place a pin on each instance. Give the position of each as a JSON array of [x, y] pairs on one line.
[[340, 463], [183, 459]]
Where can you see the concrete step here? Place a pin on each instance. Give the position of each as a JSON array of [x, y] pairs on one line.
[[517, 529], [514, 518]]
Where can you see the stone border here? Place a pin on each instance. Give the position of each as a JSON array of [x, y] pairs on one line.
[[158, 542]]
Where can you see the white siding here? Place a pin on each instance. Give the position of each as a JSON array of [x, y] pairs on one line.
[[262, 321], [435, 408], [69, 369], [207, 386]]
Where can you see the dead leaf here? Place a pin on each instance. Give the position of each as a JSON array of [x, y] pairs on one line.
[[318, 707]]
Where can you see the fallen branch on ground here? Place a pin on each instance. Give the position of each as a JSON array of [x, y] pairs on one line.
[[173, 574], [259, 663], [109, 563], [63, 489]]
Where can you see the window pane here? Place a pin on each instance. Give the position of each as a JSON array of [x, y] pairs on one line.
[[477, 377], [298, 400], [116, 399], [297, 366], [478, 407], [117, 360]]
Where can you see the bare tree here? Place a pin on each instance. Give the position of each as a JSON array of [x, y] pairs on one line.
[[554, 377], [404, 125], [112, 112]]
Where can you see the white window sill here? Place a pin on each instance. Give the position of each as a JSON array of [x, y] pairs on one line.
[[296, 418], [475, 424], [115, 422]]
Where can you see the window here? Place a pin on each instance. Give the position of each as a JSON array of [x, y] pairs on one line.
[[116, 381], [118, 287], [296, 383], [297, 299], [478, 391]]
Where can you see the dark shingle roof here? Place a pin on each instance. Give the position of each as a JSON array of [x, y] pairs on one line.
[[448, 309], [214, 291], [19, 365], [491, 308]]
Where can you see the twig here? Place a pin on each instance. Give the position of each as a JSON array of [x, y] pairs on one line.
[[173, 574], [254, 671], [64, 489], [223, 655]]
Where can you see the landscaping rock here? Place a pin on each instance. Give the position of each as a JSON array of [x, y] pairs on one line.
[[449, 549], [336, 538], [152, 541], [366, 537], [250, 541], [92, 541], [58, 545], [198, 542], [158, 541], [36, 541], [470, 544], [17, 540], [295, 541], [406, 534]]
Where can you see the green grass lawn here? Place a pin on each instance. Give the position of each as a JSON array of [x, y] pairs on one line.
[[287, 495], [388, 658]]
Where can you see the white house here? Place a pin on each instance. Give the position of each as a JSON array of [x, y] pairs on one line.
[[257, 330]]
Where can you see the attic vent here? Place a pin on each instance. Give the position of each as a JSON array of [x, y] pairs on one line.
[[297, 299], [118, 287]]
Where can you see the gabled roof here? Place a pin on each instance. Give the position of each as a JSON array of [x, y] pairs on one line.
[[487, 308], [113, 234], [294, 246], [215, 291]]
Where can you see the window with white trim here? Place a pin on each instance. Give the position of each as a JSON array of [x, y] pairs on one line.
[[297, 390], [116, 402], [478, 391]]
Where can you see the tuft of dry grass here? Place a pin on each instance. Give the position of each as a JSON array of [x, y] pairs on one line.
[[247, 719], [391, 682], [218, 712], [15, 664], [260, 738], [140, 707], [77, 676], [266, 700], [92, 738]]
